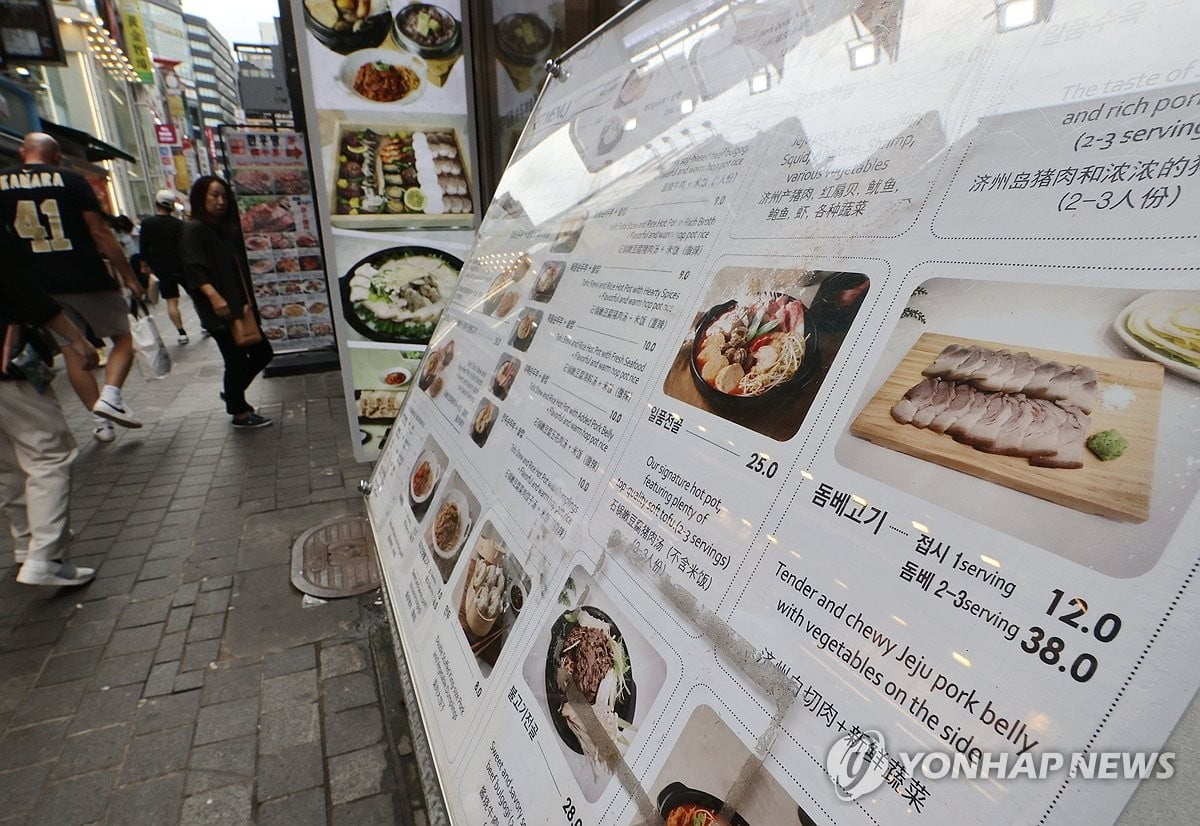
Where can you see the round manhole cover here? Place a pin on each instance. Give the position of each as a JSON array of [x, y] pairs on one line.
[[336, 558]]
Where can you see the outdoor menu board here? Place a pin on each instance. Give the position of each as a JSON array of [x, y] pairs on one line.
[[270, 179], [812, 436], [387, 93]]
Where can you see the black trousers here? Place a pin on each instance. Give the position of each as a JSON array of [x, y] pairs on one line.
[[242, 364]]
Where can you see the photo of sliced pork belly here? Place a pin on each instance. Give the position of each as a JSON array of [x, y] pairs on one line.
[[937, 404], [1024, 366], [1071, 437], [1039, 384], [985, 431], [995, 371], [1041, 437], [971, 416], [960, 402], [1012, 432], [914, 399], [1076, 386], [947, 364]]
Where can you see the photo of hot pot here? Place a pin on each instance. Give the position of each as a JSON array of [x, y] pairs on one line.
[[747, 354]]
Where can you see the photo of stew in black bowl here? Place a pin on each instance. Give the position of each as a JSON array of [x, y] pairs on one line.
[[682, 805], [361, 25], [427, 30], [523, 39], [748, 354]]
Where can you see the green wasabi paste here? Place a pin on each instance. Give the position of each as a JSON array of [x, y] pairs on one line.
[[1107, 445]]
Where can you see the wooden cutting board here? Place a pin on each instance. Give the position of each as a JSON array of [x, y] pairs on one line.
[[1119, 489]]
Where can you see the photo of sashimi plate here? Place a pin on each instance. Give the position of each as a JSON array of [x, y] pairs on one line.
[[398, 294], [388, 176]]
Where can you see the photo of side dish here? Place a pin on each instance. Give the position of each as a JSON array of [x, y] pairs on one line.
[[451, 524], [506, 372], [525, 328], [436, 360], [424, 477], [547, 281], [1164, 326], [383, 76]]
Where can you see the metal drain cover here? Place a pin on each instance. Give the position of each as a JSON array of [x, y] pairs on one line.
[[336, 558]]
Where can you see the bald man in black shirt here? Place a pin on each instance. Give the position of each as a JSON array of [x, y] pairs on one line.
[[56, 215]]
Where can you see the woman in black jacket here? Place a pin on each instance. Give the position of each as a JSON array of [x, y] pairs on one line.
[[214, 264]]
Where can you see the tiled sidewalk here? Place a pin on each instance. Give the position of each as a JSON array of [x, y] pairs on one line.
[[188, 683]]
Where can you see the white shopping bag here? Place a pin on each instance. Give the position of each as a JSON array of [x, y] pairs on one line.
[[152, 357]]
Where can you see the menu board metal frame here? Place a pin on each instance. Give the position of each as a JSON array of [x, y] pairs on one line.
[[935, 162]]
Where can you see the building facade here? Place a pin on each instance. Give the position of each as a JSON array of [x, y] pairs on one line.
[[214, 73]]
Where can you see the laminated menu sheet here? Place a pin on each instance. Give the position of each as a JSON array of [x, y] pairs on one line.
[[813, 434]]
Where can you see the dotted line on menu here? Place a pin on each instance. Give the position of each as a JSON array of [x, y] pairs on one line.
[[790, 736], [1187, 581], [674, 691], [915, 219], [808, 434], [967, 153], [661, 743]]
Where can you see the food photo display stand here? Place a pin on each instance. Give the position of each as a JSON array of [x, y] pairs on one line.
[[810, 437]]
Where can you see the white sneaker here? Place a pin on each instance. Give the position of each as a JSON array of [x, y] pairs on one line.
[[183, 338], [104, 431], [118, 413], [38, 572]]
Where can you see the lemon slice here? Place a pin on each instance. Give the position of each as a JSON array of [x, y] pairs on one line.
[[415, 199]]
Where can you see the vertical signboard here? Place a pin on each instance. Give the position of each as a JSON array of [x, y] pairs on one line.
[[136, 45], [386, 84], [269, 175], [812, 437]]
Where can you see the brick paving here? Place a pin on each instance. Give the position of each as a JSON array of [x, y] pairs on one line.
[[189, 683]]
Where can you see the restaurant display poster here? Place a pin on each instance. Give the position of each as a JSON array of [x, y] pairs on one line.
[[522, 36], [386, 90], [812, 437], [269, 175]]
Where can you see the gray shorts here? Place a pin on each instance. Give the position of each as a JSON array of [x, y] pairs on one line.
[[105, 311]]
